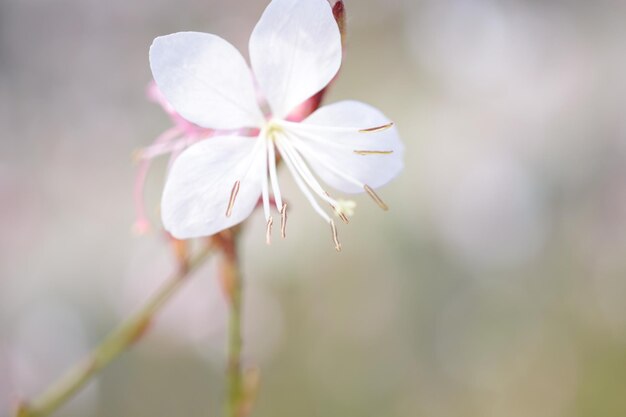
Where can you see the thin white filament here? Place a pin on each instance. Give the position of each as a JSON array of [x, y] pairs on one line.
[[303, 147], [306, 173], [271, 155], [300, 183], [264, 182], [321, 128]]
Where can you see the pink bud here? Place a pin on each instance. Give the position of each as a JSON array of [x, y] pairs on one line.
[[339, 11]]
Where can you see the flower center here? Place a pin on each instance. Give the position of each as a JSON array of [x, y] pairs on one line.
[[272, 130], [276, 136]]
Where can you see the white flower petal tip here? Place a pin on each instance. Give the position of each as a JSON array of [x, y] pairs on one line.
[[206, 80], [212, 186], [295, 51]]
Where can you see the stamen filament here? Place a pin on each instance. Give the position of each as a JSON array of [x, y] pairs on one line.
[[300, 183], [307, 175], [322, 128], [298, 144], [271, 155], [264, 183]]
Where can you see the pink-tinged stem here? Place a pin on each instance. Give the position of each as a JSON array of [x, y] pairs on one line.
[[232, 286]]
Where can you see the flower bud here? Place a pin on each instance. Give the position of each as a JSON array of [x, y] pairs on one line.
[[339, 11]]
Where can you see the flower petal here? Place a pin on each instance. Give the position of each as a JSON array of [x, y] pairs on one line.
[[201, 182], [205, 79], [295, 51], [334, 143]]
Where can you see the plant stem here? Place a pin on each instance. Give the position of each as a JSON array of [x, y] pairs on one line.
[[113, 345], [233, 286]]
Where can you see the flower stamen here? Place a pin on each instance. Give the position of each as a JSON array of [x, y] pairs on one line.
[[376, 198], [365, 153], [339, 212], [264, 183], [233, 196], [333, 229], [305, 172], [300, 183], [342, 216], [283, 220], [332, 129], [271, 156], [377, 128], [300, 145], [268, 231]]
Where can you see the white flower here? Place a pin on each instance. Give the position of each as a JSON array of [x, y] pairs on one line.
[[295, 51]]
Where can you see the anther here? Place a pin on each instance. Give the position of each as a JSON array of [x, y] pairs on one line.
[[283, 220], [376, 198], [343, 217], [365, 153], [233, 196], [377, 128], [333, 228], [338, 212], [268, 231]]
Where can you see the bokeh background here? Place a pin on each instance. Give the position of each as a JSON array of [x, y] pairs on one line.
[[495, 286]]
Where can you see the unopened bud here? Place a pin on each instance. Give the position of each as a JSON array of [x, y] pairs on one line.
[[339, 11]]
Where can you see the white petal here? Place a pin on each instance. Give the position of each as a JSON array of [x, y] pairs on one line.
[[205, 79], [199, 186], [329, 138], [295, 51]]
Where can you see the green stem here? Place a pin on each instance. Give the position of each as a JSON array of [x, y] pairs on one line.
[[234, 406], [113, 345]]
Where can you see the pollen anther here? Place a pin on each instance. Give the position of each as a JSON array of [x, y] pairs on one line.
[[268, 231], [283, 220], [333, 228], [376, 198], [343, 217], [365, 153], [340, 213], [377, 128], [233, 196]]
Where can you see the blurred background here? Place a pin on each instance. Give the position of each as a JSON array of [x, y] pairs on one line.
[[495, 285]]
